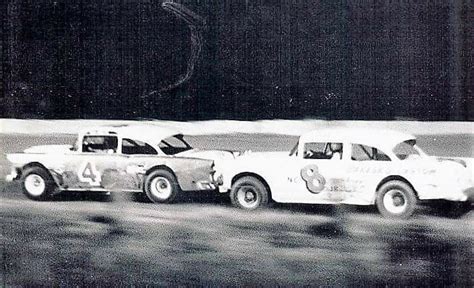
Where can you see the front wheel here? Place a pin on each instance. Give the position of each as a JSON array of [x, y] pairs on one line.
[[396, 199], [161, 186], [249, 193], [37, 183]]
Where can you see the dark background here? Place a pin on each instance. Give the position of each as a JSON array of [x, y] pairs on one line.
[[363, 59]]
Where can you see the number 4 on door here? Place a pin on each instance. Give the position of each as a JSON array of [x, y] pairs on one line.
[[88, 173]]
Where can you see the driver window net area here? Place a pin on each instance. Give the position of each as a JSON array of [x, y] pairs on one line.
[[320, 150], [100, 144], [366, 153]]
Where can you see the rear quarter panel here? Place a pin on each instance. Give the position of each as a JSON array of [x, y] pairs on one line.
[[188, 171]]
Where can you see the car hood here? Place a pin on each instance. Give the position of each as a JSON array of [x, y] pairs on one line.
[[209, 154], [444, 161], [264, 155], [56, 149], [467, 163]]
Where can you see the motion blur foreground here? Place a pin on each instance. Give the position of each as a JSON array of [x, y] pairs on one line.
[[97, 240]]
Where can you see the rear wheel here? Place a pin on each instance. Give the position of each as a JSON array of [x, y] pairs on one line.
[[396, 199], [37, 183], [249, 193], [161, 186]]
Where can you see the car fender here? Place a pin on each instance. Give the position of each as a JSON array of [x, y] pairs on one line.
[[434, 180], [247, 165]]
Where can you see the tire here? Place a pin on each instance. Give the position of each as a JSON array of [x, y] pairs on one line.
[[37, 183], [396, 199], [249, 193], [161, 186]]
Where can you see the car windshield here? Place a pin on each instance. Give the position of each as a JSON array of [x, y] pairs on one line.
[[174, 145], [406, 150]]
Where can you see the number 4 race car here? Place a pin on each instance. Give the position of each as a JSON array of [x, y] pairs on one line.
[[134, 158], [349, 166]]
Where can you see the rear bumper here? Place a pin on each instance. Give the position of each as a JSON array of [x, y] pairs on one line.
[[14, 175]]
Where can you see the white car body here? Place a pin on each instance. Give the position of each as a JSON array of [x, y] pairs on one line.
[[349, 181], [79, 168]]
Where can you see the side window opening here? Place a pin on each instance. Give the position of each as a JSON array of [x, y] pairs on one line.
[[99, 144], [320, 150], [132, 147], [366, 153]]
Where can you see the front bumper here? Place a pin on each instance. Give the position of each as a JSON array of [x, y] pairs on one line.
[[206, 185], [215, 181], [469, 192], [459, 195]]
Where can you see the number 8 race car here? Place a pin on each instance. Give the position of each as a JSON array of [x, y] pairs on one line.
[[349, 166], [134, 158]]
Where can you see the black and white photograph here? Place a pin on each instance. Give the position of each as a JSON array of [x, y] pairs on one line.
[[237, 143]]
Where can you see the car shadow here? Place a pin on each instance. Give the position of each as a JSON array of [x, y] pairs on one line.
[[72, 196], [446, 209], [438, 208], [204, 197], [324, 209], [200, 197]]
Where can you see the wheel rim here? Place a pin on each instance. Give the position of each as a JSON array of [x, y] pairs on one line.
[[35, 184], [395, 201], [161, 188], [248, 197]]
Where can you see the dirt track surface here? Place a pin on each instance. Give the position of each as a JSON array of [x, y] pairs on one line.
[[97, 240]]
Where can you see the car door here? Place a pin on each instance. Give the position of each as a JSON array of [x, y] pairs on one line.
[[317, 174], [367, 166], [91, 166]]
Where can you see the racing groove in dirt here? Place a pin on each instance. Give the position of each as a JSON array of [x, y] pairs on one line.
[[100, 240]]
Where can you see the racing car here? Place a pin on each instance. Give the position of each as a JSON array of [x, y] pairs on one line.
[[133, 158], [348, 166]]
